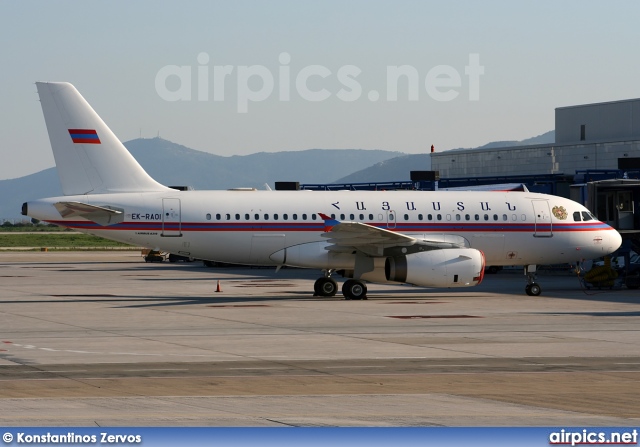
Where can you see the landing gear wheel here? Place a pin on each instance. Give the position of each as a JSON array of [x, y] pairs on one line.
[[354, 290], [325, 287], [533, 289]]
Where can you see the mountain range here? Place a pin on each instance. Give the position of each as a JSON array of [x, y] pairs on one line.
[[177, 165], [173, 164]]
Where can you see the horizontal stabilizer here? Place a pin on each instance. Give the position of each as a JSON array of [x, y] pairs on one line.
[[101, 215]]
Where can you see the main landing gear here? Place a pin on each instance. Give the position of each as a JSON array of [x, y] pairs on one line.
[[532, 288], [352, 289], [325, 286]]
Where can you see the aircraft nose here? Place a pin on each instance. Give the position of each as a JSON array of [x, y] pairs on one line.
[[615, 240]]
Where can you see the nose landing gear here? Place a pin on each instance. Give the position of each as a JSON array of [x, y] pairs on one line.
[[532, 288]]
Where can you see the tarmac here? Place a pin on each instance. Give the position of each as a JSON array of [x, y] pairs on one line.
[[103, 338]]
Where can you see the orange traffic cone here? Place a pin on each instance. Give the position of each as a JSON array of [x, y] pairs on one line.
[[218, 289]]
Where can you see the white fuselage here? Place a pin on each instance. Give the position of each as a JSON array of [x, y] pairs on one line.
[[248, 227]]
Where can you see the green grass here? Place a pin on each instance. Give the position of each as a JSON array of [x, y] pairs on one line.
[[32, 228], [61, 240]]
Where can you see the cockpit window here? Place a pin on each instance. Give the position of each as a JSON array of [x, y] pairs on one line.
[[576, 216], [587, 216]]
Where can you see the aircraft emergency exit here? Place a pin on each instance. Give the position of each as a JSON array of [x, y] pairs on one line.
[[429, 239]]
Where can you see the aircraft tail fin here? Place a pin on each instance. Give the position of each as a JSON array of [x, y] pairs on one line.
[[89, 157]]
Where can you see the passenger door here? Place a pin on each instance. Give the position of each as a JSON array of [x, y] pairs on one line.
[[542, 215], [171, 218]]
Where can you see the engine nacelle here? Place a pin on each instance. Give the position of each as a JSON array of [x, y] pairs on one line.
[[453, 267], [313, 255]]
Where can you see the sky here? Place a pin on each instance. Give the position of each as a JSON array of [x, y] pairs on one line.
[[240, 77]]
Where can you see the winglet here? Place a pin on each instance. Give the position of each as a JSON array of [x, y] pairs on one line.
[[329, 222]]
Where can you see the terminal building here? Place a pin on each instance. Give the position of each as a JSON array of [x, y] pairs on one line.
[[604, 136]]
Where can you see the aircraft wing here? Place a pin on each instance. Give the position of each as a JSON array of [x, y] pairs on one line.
[[98, 214], [374, 241]]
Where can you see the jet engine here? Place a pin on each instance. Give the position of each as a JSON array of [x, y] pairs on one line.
[[453, 267]]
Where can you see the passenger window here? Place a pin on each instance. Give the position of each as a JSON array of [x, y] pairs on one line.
[[237, 216], [313, 217], [391, 217], [504, 217], [285, 217], [361, 217], [406, 217], [514, 217], [477, 216], [295, 217], [576, 216], [420, 216], [370, 216], [524, 217], [275, 217], [486, 217], [586, 216], [218, 217], [228, 216], [467, 217], [458, 217], [256, 216], [247, 217], [304, 217], [266, 217], [352, 217], [208, 216], [429, 217], [495, 217], [448, 217]]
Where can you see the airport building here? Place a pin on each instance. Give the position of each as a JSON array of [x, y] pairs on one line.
[[604, 136]]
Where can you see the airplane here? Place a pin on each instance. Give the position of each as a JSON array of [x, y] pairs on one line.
[[424, 238]]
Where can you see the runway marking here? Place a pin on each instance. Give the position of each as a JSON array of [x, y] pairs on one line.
[[399, 358], [352, 367], [261, 369], [63, 371], [416, 302], [557, 364], [355, 374], [414, 317], [456, 365], [157, 369]]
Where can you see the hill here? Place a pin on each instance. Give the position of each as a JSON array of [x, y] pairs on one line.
[[395, 169], [398, 169], [174, 164]]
